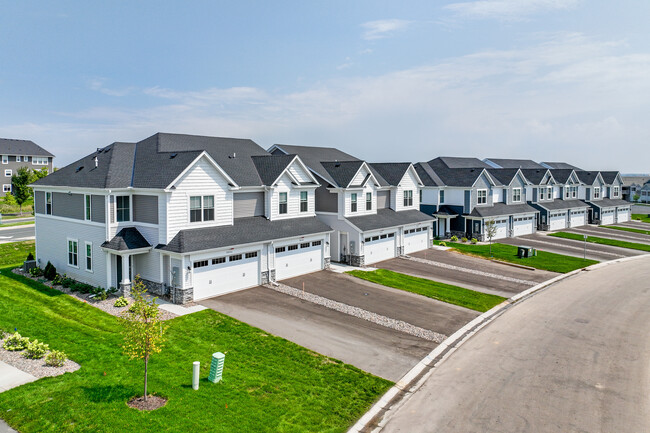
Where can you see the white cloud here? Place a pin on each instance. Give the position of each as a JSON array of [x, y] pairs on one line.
[[566, 98], [97, 84], [508, 10], [383, 28]]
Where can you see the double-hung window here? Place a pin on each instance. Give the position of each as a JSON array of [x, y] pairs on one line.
[[442, 196], [89, 256], [542, 193], [283, 207], [208, 208], [574, 192], [481, 197], [516, 195], [88, 202], [597, 192], [17, 158], [48, 203], [353, 202], [201, 208], [123, 203], [408, 198], [5, 159], [6, 187], [304, 205], [615, 193], [73, 247], [368, 201], [549, 193]]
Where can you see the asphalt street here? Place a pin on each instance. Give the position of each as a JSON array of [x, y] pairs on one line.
[[573, 358], [17, 233]]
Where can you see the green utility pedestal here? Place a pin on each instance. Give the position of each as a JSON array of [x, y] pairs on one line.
[[216, 367]]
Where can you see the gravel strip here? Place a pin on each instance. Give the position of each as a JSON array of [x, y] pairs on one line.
[[35, 367], [472, 271], [378, 319], [105, 305]]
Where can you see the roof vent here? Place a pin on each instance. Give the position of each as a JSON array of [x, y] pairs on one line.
[[96, 161], [100, 150], [337, 165], [234, 155], [81, 167], [173, 155]]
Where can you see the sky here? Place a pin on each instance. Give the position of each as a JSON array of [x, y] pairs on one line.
[[548, 80]]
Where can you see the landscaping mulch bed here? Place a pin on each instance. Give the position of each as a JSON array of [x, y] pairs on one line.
[[105, 305], [153, 402], [35, 367]]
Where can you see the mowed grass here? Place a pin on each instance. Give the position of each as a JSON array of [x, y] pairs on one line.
[[20, 223], [508, 253], [432, 289], [641, 217], [628, 229], [602, 241], [269, 384], [15, 253]]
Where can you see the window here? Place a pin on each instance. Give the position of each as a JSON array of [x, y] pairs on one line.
[[391, 235], [375, 238], [442, 197], [235, 257], [615, 193], [567, 191], [367, 239], [316, 243], [123, 208], [200, 264], [25, 158], [48, 203], [208, 208], [251, 255], [72, 252], [304, 204], [218, 260], [481, 196], [8, 173], [5, 159], [18, 158], [420, 194], [195, 208], [408, 198], [549, 193], [368, 201], [89, 256], [292, 247], [542, 193], [6, 187], [597, 192], [305, 245], [516, 194], [283, 203], [280, 249], [574, 191], [353, 202], [383, 236], [88, 213], [39, 161]]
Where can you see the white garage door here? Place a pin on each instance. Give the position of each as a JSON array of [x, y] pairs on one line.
[[623, 215], [502, 229], [379, 247], [298, 259], [558, 221], [523, 226], [224, 274], [607, 217], [578, 218], [415, 240]]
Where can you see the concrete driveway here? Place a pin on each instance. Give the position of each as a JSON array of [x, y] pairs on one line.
[[462, 272], [608, 233], [570, 247]]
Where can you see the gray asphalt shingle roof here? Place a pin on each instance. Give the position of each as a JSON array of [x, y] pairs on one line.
[[562, 204], [514, 163], [503, 175], [458, 176], [269, 167], [534, 175], [386, 218], [428, 175], [313, 157], [609, 176], [559, 165], [562, 175], [128, 238], [342, 172], [391, 172], [10, 146], [610, 202], [502, 209], [244, 231], [457, 162], [587, 177]]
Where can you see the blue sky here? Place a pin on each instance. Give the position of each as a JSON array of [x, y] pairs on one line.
[[541, 79]]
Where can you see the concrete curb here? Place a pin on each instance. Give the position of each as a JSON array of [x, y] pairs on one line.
[[15, 227], [376, 418]]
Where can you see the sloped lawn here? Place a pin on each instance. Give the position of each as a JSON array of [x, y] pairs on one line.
[[270, 384], [15, 252]]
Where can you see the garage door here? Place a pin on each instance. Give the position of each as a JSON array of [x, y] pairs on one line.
[[578, 218], [415, 240], [523, 226], [607, 217], [379, 247], [623, 215], [298, 259], [502, 229], [558, 221], [224, 274]]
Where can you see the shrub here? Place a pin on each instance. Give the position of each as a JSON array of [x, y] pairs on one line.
[[36, 272], [474, 241], [437, 238], [55, 358], [57, 279], [35, 350], [443, 244], [15, 342], [50, 271], [463, 239], [454, 238], [121, 302], [111, 290], [30, 256], [99, 293]]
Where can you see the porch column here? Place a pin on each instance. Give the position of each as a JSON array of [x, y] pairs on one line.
[[125, 284], [109, 272]]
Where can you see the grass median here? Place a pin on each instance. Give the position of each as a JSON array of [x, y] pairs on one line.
[[508, 253], [602, 241], [269, 385], [628, 229], [432, 289], [641, 217]]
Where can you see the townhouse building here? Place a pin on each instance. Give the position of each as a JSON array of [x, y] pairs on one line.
[[602, 191], [194, 216], [15, 154], [372, 208]]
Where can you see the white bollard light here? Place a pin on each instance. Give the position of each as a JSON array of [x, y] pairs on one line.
[[196, 369]]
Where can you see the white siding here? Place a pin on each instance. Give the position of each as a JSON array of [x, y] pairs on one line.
[[361, 201], [359, 177], [454, 196], [408, 182], [300, 174], [293, 200], [430, 195], [497, 195], [201, 179]]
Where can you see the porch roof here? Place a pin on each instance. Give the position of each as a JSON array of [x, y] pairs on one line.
[[128, 238], [385, 218], [609, 202], [502, 209], [562, 204]]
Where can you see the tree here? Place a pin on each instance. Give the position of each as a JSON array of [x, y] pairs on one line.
[[636, 197], [143, 331], [22, 192], [490, 231], [39, 174], [9, 199]]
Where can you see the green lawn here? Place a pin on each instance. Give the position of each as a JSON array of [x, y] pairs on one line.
[[15, 253], [270, 384], [21, 223], [628, 229], [602, 241], [443, 292], [641, 217], [508, 253]]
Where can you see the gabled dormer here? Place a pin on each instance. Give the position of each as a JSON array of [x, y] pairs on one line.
[[514, 184], [355, 185], [543, 186], [403, 184], [567, 182], [592, 185], [613, 184]]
